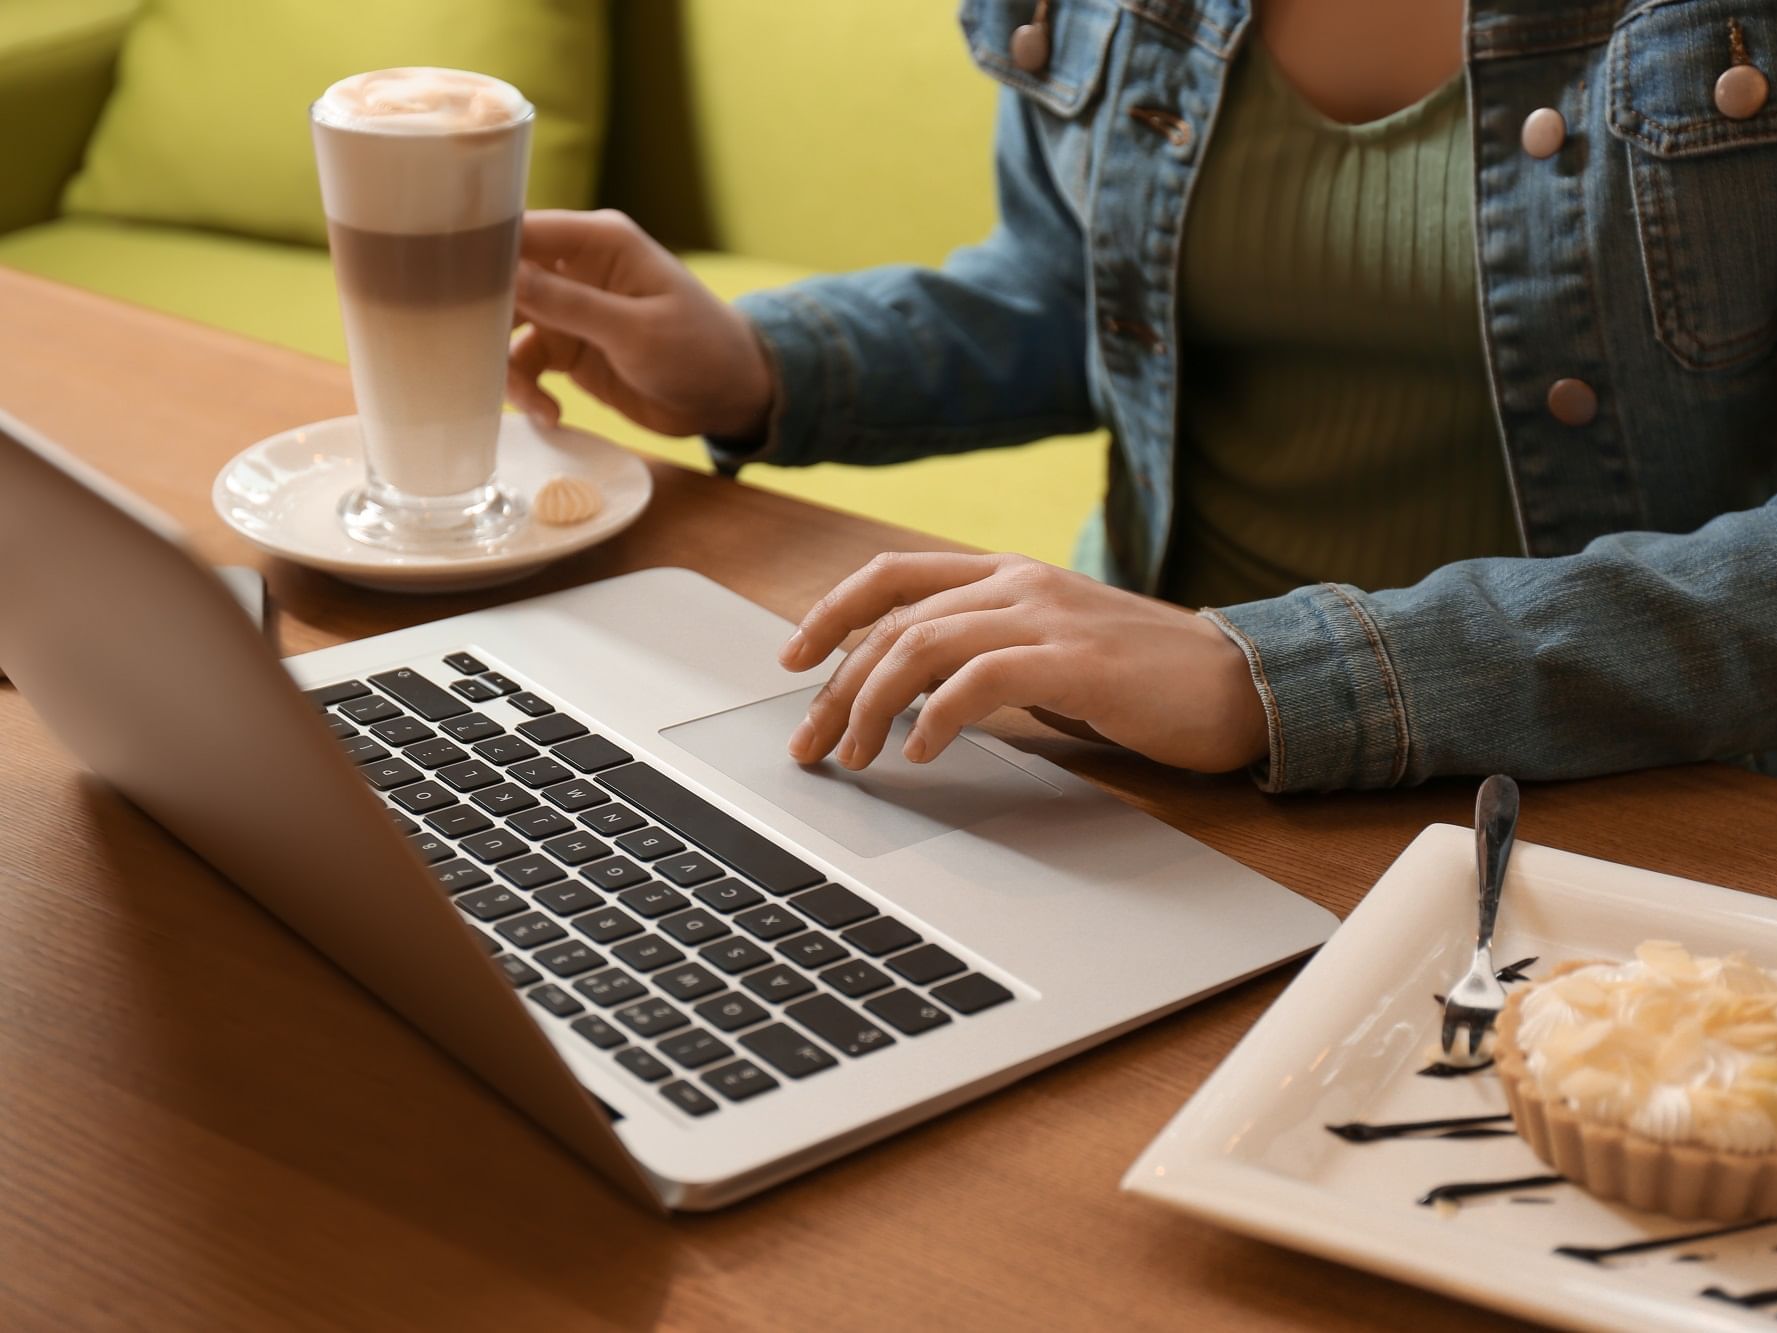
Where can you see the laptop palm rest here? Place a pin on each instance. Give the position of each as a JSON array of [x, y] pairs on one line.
[[890, 805]]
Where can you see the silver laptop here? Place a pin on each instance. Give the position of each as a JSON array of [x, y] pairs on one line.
[[564, 839]]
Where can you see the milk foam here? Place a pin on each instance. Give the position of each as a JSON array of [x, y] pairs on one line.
[[421, 100]]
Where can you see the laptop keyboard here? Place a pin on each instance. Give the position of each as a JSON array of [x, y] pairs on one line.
[[696, 952]]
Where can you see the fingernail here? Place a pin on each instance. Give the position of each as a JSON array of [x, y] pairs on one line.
[[538, 419], [792, 649], [802, 738], [848, 749], [527, 277], [915, 749]]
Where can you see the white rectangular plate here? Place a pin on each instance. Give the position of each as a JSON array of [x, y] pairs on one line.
[[1346, 1042]]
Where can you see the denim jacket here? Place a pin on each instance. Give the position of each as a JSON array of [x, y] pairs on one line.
[[1635, 267]]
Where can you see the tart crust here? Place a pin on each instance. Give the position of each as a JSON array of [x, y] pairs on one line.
[[1682, 1180]]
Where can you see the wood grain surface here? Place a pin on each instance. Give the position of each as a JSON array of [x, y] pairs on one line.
[[204, 1125]]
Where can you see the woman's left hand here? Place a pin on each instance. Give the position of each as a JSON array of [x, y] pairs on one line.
[[981, 632]]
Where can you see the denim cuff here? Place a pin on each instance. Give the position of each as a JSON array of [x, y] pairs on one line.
[[1333, 706], [812, 387]]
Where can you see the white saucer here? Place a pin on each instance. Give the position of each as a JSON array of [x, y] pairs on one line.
[[283, 495]]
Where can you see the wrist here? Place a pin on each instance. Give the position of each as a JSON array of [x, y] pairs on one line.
[[1246, 726]]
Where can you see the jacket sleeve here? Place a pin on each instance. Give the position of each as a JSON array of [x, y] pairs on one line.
[[894, 363], [1641, 649]]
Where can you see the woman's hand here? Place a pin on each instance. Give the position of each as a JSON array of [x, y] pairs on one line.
[[999, 630], [632, 326]]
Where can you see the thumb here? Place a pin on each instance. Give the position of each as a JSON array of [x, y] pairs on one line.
[[574, 307]]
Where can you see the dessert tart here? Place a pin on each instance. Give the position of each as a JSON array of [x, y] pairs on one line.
[[1653, 1082]]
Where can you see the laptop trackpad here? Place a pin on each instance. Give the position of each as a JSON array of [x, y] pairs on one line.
[[890, 805]]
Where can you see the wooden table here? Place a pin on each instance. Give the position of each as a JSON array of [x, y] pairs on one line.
[[204, 1125]]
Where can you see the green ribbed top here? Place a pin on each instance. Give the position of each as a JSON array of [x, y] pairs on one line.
[[1337, 423]]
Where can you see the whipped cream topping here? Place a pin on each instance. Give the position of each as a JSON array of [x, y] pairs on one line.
[[421, 100], [1676, 1048]]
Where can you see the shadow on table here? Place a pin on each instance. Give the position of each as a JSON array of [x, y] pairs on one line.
[[304, 1136]]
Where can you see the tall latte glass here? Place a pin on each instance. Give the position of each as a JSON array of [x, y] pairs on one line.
[[422, 177]]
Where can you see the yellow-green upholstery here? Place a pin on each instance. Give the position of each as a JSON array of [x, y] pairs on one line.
[[763, 138]]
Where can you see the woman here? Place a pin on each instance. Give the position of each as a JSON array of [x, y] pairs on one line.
[[1313, 267]]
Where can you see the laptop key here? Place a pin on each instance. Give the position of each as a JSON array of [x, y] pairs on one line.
[[730, 1011], [650, 844], [458, 821], [550, 729], [690, 982], [907, 1012], [839, 1025], [771, 922], [403, 825], [505, 799], [530, 930], [399, 731], [600, 1033], [501, 684], [926, 964], [606, 924], [494, 845], [325, 696], [530, 871], [434, 753], [777, 983], [539, 823], [589, 754], [833, 906], [687, 1098], [459, 875], [651, 1018], [648, 952], [856, 978], [645, 1065], [734, 956], [694, 1048], [534, 705], [419, 694], [431, 848], [421, 798], [728, 895], [470, 727], [470, 775], [652, 900], [363, 750], [475, 691], [568, 960], [542, 772], [714, 830], [518, 972], [488, 943], [613, 873], [505, 750], [613, 986], [384, 774], [739, 1080], [787, 1050], [567, 899], [688, 869], [576, 848], [883, 935], [574, 794], [491, 903], [812, 950], [556, 1000], [341, 729], [612, 820], [465, 664], [695, 926], [972, 993], [369, 709]]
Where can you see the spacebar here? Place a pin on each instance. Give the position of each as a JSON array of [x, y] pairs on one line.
[[718, 833]]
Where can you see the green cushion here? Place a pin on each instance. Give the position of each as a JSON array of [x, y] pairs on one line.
[[1031, 499], [209, 127]]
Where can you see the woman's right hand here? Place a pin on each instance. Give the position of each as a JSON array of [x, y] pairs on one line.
[[629, 323]]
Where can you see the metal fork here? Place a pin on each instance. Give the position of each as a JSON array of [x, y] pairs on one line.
[[1476, 1000]]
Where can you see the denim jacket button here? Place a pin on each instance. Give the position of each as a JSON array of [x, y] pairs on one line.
[[1741, 91], [1572, 402], [1030, 47], [1544, 131]]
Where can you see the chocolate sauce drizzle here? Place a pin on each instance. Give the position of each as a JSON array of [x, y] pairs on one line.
[[1598, 1256], [1471, 1189], [1752, 1300], [1462, 1127], [1442, 1070]]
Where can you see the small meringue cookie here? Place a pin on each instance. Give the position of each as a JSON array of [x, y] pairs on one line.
[[565, 501]]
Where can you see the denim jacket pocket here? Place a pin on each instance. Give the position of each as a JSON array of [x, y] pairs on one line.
[[1080, 33], [1704, 185]]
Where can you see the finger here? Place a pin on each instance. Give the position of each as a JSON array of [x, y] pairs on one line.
[[550, 236], [531, 353], [930, 650], [1011, 677], [892, 579], [572, 306]]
